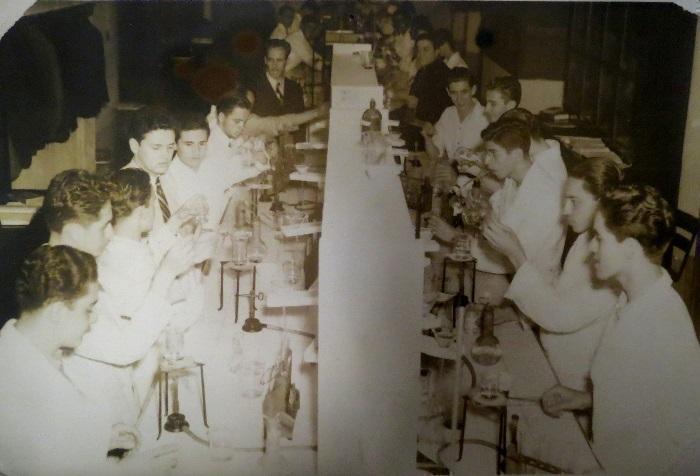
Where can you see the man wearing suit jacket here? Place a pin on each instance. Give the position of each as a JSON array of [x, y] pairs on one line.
[[276, 95]]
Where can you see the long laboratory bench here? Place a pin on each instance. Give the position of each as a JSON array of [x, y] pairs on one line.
[[370, 285]]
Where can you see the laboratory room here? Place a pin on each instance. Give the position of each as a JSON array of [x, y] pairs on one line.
[[360, 237]]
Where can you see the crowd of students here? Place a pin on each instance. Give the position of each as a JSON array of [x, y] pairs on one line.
[[121, 263]]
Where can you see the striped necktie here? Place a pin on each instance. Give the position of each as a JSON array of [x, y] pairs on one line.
[[162, 201], [278, 91]]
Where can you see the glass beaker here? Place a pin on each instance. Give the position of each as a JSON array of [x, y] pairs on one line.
[[256, 246], [240, 248], [174, 344]]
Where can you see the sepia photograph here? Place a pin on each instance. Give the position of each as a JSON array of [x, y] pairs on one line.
[[349, 237]]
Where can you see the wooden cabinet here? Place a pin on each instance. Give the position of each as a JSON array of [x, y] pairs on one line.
[[628, 74]]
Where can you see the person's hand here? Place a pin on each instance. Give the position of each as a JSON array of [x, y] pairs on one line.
[[504, 240], [428, 130], [441, 229], [559, 398], [180, 257], [160, 460], [125, 437], [195, 207]]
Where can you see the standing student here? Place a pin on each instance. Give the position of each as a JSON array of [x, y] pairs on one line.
[[446, 49], [646, 370]]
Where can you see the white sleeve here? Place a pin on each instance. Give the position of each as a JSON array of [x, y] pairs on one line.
[[118, 340], [554, 310], [159, 242], [438, 138]]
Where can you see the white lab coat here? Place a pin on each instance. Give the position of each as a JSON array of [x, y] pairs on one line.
[[46, 426], [571, 309], [646, 386], [125, 272], [533, 211]]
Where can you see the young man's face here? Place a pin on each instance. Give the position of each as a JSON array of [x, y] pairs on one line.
[[287, 17], [275, 62], [155, 151], [148, 213], [608, 253], [425, 52], [76, 317], [192, 147], [232, 124], [92, 237], [496, 105], [444, 50], [499, 161], [461, 93], [580, 205]]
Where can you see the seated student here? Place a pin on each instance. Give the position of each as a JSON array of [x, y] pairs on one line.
[[502, 94], [545, 151], [532, 210], [428, 94], [403, 42], [571, 310], [78, 213], [459, 128], [48, 426], [152, 141], [646, 370], [446, 50]]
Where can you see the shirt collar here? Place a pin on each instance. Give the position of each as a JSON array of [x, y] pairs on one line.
[[273, 82]]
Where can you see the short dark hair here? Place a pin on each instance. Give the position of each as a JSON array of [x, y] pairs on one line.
[[527, 118], [639, 212], [425, 37], [509, 134], [74, 195], [460, 73], [599, 174], [276, 43], [149, 119], [190, 121], [442, 36], [230, 101], [131, 188], [286, 8], [54, 273], [421, 23], [508, 86]]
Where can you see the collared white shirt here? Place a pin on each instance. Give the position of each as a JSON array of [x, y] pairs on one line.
[[572, 311], [452, 134], [646, 386], [455, 60], [47, 426]]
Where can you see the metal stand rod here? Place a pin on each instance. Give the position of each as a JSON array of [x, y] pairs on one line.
[[204, 396], [238, 285], [221, 288]]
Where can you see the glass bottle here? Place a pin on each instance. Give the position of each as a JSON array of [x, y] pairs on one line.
[[372, 118], [486, 350], [256, 246]]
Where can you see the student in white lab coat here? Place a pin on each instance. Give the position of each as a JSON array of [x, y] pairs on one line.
[[502, 94], [78, 213], [48, 426], [646, 370], [573, 308], [128, 273], [530, 206], [152, 141]]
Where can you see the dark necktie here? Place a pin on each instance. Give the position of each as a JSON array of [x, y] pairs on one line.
[[162, 201], [278, 92]]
